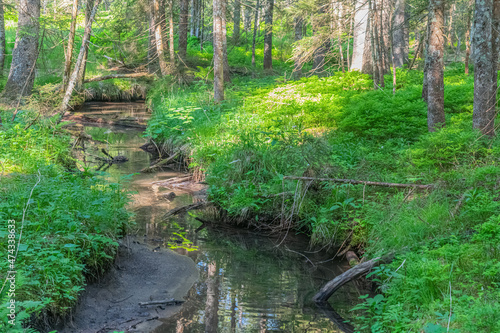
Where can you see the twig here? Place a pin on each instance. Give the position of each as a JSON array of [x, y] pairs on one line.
[[171, 301], [286, 248]]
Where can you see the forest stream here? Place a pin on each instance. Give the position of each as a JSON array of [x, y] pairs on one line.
[[230, 279]]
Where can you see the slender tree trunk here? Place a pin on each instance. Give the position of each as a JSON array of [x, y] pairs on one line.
[[268, 37], [171, 32], [255, 27], [236, 20], [159, 15], [192, 24], [247, 18], [467, 36], [89, 5], [406, 50], [227, 74], [450, 26], [80, 60], [152, 55], [377, 31], [483, 116], [425, 84], [435, 88], [202, 23], [71, 41], [398, 33], [219, 15], [183, 27], [361, 35], [298, 21], [495, 45], [2, 39], [385, 28], [25, 53], [375, 63], [340, 24]]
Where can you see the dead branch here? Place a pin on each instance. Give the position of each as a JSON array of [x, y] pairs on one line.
[[332, 286], [175, 180], [171, 301], [362, 182], [162, 162]]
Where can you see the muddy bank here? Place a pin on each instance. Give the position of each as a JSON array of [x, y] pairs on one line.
[[140, 274]]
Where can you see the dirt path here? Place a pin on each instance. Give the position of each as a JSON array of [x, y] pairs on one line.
[[139, 275]]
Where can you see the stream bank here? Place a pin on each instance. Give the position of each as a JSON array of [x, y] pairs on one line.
[[246, 282]]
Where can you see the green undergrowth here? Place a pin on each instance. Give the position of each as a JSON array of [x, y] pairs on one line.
[[445, 238], [66, 226]]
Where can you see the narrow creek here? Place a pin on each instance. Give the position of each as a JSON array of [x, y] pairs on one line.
[[245, 283]]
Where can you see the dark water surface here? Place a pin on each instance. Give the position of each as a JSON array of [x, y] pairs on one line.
[[247, 283]]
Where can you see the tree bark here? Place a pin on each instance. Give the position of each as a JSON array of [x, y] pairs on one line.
[[236, 21], [227, 74], [171, 32], [71, 42], [159, 16], [152, 56], [219, 14], [467, 36], [2, 39], [298, 22], [255, 26], [360, 35], [80, 61], [398, 33], [25, 53], [89, 5], [483, 116], [434, 59], [183, 27], [247, 18], [268, 37]]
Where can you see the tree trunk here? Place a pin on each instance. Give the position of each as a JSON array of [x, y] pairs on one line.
[[467, 36], [227, 74], [247, 18], [373, 43], [255, 26], [183, 27], [236, 20], [398, 33], [25, 53], [360, 35], [434, 57], [152, 56], [171, 32], [81, 73], [298, 22], [159, 16], [377, 36], [340, 24], [80, 61], [268, 37], [219, 14], [2, 39], [483, 116], [192, 24], [71, 41], [450, 26]]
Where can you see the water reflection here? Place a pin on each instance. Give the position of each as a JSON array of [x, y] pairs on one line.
[[247, 283]]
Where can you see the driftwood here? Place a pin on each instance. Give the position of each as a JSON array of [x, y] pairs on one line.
[[332, 286], [117, 76], [183, 209], [361, 182], [162, 162], [171, 301]]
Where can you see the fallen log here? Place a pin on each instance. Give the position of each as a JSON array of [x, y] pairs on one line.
[[171, 301], [332, 286], [117, 76], [361, 182], [162, 162], [183, 209]]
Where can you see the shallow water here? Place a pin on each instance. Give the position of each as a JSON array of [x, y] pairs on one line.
[[247, 283]]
